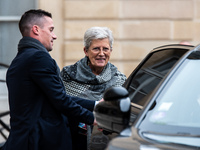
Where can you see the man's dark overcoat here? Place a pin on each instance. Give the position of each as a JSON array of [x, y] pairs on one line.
[[39, 106]]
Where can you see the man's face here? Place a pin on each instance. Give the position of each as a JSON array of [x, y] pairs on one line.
[[47, 35], [98, 53]]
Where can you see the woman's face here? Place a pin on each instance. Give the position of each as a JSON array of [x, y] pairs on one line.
[[98, 53]]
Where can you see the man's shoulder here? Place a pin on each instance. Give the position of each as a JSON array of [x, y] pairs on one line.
[[31, 52]]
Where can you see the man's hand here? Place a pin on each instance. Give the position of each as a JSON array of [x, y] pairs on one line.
[[101, 100], [97, 102], [95, 122]]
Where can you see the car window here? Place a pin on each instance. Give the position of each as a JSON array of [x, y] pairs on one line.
[[146, 79], [179, 103]]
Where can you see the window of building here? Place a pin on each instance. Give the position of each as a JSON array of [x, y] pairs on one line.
[[10, 13]]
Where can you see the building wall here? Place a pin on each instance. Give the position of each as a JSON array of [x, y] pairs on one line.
[[138, 26]]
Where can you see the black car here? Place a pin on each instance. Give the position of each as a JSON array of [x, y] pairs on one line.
[[158, 108]]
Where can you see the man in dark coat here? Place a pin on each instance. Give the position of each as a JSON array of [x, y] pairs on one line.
[[39, 105]]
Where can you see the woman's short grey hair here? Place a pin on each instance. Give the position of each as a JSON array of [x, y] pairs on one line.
[[97, 33]]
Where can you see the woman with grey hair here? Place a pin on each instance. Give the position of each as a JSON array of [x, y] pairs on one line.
[[97, 33], [89, 78]]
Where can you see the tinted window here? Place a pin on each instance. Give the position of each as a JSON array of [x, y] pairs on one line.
[[151, 73], [183, 88], [177, 106]]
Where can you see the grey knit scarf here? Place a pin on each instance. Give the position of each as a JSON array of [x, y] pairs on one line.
[[80, 81]]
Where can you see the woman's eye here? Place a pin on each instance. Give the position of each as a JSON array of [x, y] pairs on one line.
[[96, 48], [106, 49]]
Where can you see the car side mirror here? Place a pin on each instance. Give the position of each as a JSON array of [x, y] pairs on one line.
[[113, 113]]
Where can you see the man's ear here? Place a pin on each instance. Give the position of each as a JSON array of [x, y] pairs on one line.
[[35, 29]]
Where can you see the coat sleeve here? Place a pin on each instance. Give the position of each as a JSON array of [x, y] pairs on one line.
[[44, 73]]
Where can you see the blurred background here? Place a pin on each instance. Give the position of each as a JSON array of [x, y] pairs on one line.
[[138, 26]]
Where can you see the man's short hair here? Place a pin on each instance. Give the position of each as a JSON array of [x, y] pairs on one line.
[[30, 18]]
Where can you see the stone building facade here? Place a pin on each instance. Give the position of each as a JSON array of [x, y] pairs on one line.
[[138, 26]]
